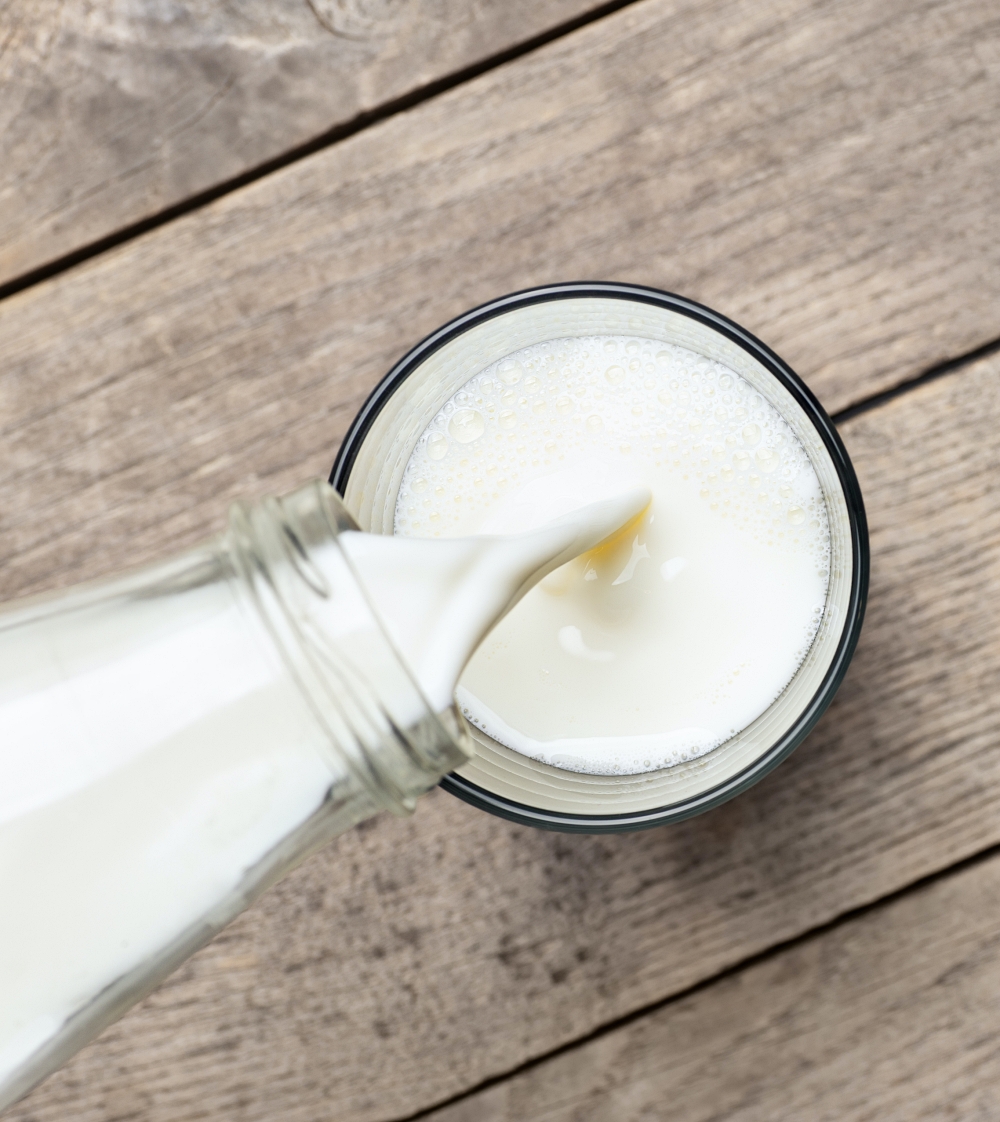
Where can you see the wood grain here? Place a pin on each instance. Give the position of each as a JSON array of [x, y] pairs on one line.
[[413, 959], [110, 113], [828, 174], [891, 1017]]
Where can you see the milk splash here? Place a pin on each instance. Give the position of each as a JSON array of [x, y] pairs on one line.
[[664, 644]]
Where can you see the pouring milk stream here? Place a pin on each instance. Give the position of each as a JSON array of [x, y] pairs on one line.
[[167, 749]]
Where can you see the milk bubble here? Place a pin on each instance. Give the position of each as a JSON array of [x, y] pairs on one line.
[[510, 372], [768, 460], [467, 425]]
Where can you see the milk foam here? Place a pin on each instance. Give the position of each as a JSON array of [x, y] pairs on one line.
[[664, 643]]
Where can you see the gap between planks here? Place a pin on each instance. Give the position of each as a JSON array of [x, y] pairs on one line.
[[335, 135], [769, 955], [891, 1016], [939, 370]]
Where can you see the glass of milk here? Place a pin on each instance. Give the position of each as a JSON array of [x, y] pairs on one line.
[[667, 671]]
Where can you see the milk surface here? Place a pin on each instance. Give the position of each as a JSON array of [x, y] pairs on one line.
[[677, 634]]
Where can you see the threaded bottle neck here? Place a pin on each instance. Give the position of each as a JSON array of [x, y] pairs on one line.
[[286, 556]]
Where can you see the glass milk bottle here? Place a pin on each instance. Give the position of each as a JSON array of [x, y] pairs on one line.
[[173, 742]]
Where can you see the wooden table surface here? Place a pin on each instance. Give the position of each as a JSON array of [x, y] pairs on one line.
[[220, 223]]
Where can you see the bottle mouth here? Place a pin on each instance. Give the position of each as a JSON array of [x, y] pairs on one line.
[[376, 719], [369, 470]]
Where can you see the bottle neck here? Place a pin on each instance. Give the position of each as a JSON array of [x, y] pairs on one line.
[[289, 563]]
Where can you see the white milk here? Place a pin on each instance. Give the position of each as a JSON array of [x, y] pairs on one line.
[[437, 599], [152, 754], [663, 644]]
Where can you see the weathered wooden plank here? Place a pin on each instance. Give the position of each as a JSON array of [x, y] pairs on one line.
[[826, 173], [413, 959], [110, 113], [892, 1016]]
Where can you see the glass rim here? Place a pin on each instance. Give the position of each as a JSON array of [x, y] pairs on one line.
[[566, 822]]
